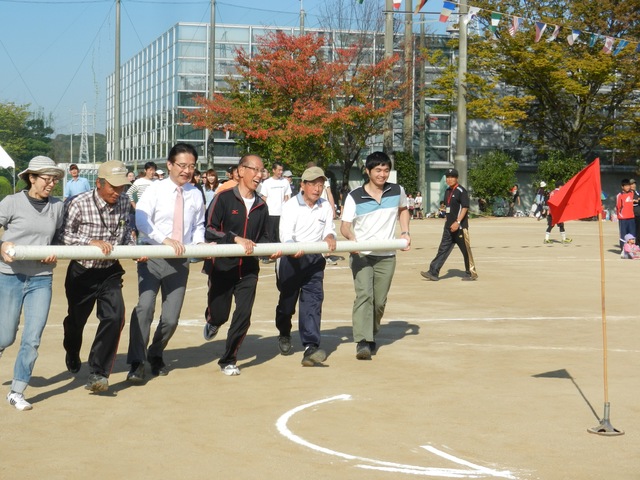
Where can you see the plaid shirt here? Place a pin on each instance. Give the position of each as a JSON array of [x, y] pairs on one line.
[[88, 217]]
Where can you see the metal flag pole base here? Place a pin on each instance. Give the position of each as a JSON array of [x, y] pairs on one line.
[[605, 427]]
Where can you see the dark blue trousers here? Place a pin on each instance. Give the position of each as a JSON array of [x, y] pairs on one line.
[[301, 278]]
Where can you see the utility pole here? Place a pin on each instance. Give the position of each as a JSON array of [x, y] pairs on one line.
[[422, 157], [71, 139], [301, 18], [212, 83], [83, 156], [117, 120], [387, 138], [408, 73], [460, 161]]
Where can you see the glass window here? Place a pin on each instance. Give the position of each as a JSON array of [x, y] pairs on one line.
[[188, 99], [192, 32], [438, 139], [228, 34], [192, 49], [225, 149], [438, 155], [439, 123], [192, 66], [226, 67], [192, 82], [188, 132], [228, 50]]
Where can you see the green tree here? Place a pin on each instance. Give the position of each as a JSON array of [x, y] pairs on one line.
[[572, 98], [6, 188], [491, 177], [23, 134], [558, 167], [405, 165]]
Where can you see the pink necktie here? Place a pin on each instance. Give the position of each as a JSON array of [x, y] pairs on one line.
[[178, 216]]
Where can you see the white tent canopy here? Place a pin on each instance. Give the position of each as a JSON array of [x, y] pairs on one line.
[[5, 160]]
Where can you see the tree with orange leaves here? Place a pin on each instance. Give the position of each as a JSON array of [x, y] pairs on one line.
[[298, 100]]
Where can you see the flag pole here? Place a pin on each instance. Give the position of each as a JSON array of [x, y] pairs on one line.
[[604, 427]]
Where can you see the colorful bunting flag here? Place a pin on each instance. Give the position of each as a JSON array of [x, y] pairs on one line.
[[515, 24], [495, 20], [554, 35], [473, 13], [573, 37], [620, 47], [421, 4], [540, 28], [447, 10]]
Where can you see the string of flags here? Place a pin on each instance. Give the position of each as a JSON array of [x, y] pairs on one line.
[[396, 3], [516, 22]]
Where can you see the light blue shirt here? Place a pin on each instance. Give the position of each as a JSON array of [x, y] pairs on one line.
[[74, 187]]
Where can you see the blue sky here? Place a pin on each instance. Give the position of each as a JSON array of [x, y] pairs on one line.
[[55, 55]]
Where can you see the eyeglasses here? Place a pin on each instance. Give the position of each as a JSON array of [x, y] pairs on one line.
[[186, 166], [255, 170], [49, 180]]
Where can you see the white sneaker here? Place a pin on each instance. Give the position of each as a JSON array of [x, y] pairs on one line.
[[230, 370], [17, 400]]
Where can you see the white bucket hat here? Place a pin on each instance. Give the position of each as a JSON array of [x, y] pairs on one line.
[[42, 165]]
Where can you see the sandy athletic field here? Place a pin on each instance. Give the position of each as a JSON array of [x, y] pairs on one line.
[[504, 373]]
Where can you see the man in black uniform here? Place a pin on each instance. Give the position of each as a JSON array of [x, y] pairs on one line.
[[456, 230]]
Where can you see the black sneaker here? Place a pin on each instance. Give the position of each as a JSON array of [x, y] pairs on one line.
[[210, 331], [429, 276], [136, 374], [73, 362], [158, 368], [284, 343], [363, 350], [313, 356]]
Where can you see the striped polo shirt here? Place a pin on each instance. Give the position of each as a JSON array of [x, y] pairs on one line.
[[372, 220]]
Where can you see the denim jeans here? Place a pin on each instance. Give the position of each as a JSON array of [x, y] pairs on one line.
[[34, 293]]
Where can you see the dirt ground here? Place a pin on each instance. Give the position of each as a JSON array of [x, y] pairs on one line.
[[495, 378]]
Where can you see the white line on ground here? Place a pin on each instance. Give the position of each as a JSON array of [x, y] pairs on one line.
[[372, 464]]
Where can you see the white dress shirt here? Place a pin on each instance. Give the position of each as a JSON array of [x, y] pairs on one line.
[[154, 213]]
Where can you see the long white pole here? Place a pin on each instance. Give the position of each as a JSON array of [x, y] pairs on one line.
[[86, 252]]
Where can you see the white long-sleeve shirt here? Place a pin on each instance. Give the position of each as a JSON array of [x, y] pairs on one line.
[[154, 213]]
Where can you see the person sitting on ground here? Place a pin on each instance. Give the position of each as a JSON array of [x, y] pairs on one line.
[[631, 251]]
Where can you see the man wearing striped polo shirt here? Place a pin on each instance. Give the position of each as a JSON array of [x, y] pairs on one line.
[[371, 212]]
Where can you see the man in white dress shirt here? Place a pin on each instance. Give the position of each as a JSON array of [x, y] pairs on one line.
[[170, 212], [305, 218]]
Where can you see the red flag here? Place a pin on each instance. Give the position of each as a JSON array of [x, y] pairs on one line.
[[580, 197], [421, 4]]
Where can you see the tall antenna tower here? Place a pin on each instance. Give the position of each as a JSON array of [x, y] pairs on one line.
[[84, 142]]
